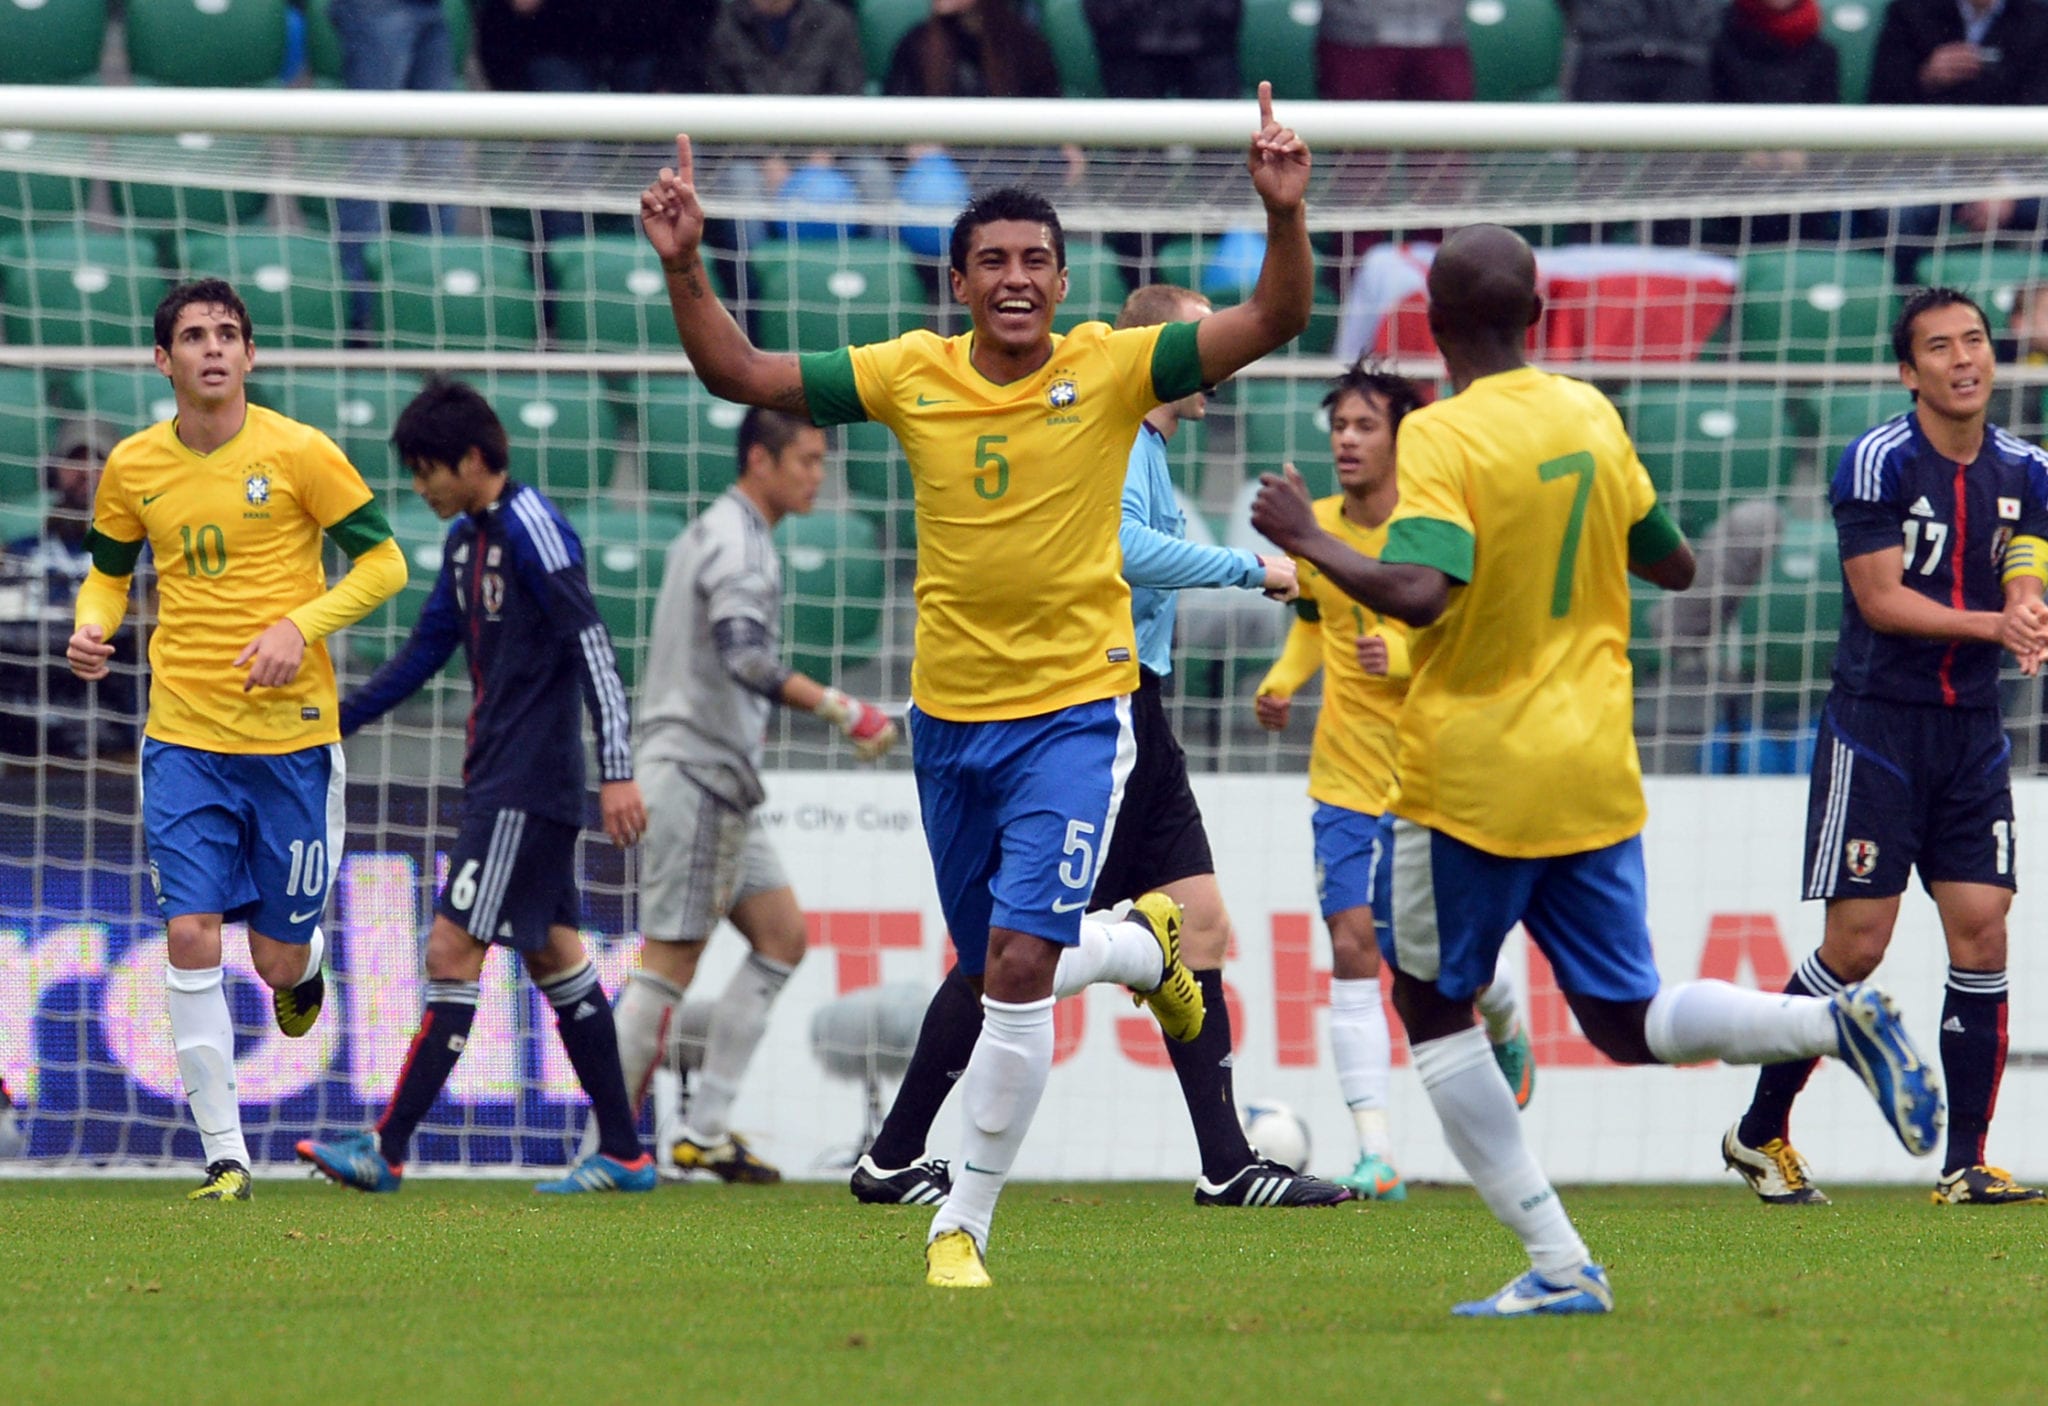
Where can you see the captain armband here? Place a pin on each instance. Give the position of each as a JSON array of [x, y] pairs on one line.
[[2025, 556]]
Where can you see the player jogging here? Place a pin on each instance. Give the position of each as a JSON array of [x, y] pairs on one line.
[[1020, 727], [512, 593], [241, 757], [1363, 656], [1940, 517], [1160, 844], [1519, 795], [714, 669]]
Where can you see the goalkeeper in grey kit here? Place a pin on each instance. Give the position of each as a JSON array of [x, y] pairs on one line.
[[714, 671]]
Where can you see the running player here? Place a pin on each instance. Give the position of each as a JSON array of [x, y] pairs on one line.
[[1910, 770], [1351, 769], [241, 758], [1017, 441], [714, 669], [1519, 795], [1160, 845], [512, 593]]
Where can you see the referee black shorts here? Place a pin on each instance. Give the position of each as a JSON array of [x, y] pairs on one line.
[[1159, 836]]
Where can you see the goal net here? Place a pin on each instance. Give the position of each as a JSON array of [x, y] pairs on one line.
[[1729, 278]]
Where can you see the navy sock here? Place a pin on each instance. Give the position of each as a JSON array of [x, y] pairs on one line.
[[1777, 1085], [1203, 1067], [583, 1018], [952, 1025], [1973, 1034], [444, 1030]]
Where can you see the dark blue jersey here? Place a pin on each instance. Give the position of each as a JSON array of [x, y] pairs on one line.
[[1894, 489], [512, 593]]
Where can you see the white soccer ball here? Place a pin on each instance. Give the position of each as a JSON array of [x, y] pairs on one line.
[[1276, 1133]]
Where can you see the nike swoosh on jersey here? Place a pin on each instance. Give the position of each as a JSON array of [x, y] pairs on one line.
[[926, 400], [149, 498], [1062, 907], [301, 917]]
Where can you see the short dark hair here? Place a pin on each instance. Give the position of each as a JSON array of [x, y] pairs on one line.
[[446, 420], [1005, 203], [773, 430], [1927, 300], [1368, 378], [201, 292]]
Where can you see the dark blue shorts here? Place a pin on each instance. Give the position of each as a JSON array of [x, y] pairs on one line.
[[511, 877], [1354, 865], [1018, 814], [1454, 905], [1898, 787], [256, 839]]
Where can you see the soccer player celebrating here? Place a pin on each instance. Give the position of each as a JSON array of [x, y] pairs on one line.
[[1159, 844], [1351, 769], [241, 759], [513, 594], [714, 669], [1910, 768], [1017, 441], [1519, 796]]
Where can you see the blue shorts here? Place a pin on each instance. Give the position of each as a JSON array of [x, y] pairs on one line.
[[1353, 868], [511, 877], [256, 839], [1018, 814], [1454, 905]]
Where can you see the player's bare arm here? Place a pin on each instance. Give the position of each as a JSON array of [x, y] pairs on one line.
[[729, 364], [1878, 582], [1283, 513], [273, 657], [1278, 309], [1674, 572]]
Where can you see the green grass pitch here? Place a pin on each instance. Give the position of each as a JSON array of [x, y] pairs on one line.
[[456, 1292]]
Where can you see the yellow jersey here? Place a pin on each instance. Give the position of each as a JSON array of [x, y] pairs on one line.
[[1518, 734], [236, 536], [1351, 762], [1021, 603]]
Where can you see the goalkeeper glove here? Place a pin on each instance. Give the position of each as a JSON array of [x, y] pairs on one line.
[[866, 725]]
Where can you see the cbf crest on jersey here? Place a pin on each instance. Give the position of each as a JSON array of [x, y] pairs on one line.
[[1062, 393], [256, 488], [1860, 856]]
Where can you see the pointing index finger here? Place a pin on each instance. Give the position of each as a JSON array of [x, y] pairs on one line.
[[684, 164], [1265, 105]]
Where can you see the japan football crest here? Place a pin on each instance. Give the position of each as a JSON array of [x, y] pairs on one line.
[[1861, 857]]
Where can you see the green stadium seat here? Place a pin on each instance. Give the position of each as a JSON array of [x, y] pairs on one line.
[[355, 408], [61, 286], [878, 480], [1096, 286], [1517, 48], [562, 426], [833, 582], [22, 517], [57, 41], [883, 23], [1281, 422], [687, 441], [817, 295], [28, 197], [129, 400], [451, 292], [623, 554], [1707, 442], [1814, 305], [1991, 274], [1791, 623], [25, 425], [1276, 41], [291, 282], [610, 295], [206, 43], [1073, 47], [323, 45], [1835, 415], [419, 534], [1852, 27], [174, 206]]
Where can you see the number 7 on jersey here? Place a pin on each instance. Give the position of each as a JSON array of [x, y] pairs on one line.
[[1580, 466]]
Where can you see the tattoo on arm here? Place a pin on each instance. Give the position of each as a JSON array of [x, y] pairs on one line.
[[791, 401]]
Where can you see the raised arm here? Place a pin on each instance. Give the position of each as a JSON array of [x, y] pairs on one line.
[[729, 364], [1278, 309]]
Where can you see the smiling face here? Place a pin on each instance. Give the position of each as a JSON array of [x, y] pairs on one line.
[[1952, 366], [208, 359], [1361, 441], [1012, 284]]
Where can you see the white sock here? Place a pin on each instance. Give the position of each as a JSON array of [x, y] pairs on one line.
[[1005, 1078], [1702, 1020], [1496, 1002], [203, 1031], [1125, 953], [1485, 1133], [1365, 1056], [642, 1016], [737, 1023], [316, 953]]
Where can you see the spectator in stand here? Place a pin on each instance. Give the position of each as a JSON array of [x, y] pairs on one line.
[[593, 46], [1640, 51], [1772, 51], [2024, 347], [973, 49], [1393, 51], [58, 552], [1966, 53], [785, 48], [1167, 48]]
